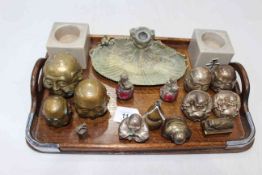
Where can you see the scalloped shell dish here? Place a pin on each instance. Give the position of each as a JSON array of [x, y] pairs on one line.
[[152, 65]]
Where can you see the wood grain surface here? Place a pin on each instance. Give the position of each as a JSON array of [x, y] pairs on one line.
[[103, 131]]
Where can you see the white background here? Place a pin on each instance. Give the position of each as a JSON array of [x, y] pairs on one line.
[[24, 28]]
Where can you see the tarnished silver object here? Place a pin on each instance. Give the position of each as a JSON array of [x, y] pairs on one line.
[[217, 126], [56, 111], [176, 130], [82, 130], [91, 99], [145, 60], [226, 104], [154, 116], [133, 128], [124, 89], [223, 78], [61, 74], [197, 105], [199, 78], [169, 91]]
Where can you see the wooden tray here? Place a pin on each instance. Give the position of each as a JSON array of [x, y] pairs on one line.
[[103, 132]]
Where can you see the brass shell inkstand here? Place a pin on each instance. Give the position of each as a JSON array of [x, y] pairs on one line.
[[145, 60]]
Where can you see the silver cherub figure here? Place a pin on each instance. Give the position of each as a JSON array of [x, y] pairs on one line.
[[223, 78], [169, 91], [133, 128], [197, 105], [226, 104], [199, 78]]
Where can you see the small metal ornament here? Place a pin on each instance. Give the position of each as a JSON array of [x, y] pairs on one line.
[[56, 111], [154, 116], [197, 105], [82, 130], [199, 78], [91, 99], [217, 126], [169, 91], [133, 128], [124, 89], [226, 104], [223, 78], [176, 130], [61, 74]]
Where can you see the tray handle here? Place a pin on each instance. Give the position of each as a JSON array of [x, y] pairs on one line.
[[35, 89], [249, 138]]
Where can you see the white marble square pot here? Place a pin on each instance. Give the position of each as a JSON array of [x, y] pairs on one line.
[[209, 47], [73, 38]]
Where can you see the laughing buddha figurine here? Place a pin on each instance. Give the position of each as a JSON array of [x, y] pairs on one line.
[[197, 105], [61, 74]]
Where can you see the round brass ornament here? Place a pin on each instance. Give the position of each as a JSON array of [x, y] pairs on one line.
[[91, 99], [56, 111]]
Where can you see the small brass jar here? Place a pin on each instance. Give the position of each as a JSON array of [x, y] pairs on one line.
[[56, 111], [91, 99]]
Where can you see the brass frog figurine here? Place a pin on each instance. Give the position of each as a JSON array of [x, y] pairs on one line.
[[199, 78], [133, 128], [197, 105], [176, 130], [61, 74], [56, 111], [91, 99], [223, 78]]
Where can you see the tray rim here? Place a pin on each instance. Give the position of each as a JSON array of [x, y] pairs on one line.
[[230, 146]]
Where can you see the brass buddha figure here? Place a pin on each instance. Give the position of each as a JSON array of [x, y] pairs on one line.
[[223, 78], [197, 105], [226, 104], [56, 111], [61, 74], [91, 99], [199, 78]]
